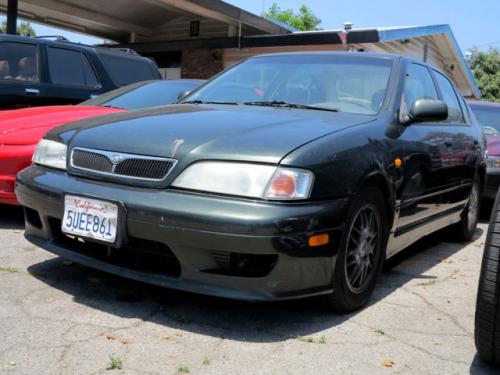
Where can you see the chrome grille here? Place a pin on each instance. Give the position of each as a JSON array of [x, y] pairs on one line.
[[121, 165], [92, 160], [142, 168]]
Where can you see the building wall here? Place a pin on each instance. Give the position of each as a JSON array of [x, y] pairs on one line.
[[201, 63], [232, 56]]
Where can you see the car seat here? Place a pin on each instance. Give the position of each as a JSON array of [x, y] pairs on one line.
[[5, 70], [26, 69]]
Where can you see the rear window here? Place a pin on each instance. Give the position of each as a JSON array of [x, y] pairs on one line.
[[125, 70], [18, 61], [68, 67]]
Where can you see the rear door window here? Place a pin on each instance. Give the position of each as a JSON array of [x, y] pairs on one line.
[[68, 67], [125, 70], [455, 114], [18, 62]]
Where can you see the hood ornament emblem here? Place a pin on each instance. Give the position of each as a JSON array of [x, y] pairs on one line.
[[115, 159]]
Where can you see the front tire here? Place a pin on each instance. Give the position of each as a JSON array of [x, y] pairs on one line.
[[362, 251], [487, 321]]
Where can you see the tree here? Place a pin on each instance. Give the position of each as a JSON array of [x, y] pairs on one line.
[[24, 29], [305, 20], [486, 69]]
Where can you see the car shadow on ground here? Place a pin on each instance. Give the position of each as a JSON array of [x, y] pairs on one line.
[[217, 317], [11, 217]]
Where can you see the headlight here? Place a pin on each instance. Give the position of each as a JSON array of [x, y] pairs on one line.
[[50, 154], [247, 180], [493, 161]]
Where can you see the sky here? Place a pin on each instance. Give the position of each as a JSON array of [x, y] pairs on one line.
[[474, 23]]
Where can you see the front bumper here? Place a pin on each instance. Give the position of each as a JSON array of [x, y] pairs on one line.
[[234, 248], [492, 183]]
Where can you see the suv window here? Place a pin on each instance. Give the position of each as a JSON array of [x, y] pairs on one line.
[[68, 67], [418, 85], [18, 61], [455, 114], [125, 70]]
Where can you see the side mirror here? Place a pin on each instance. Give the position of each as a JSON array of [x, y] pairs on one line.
[[182, 94], [424, 110]]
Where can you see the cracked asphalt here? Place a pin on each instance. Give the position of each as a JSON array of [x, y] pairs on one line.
[[61, 318]]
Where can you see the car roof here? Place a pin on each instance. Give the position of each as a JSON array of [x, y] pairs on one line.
[[357, 54], [61, 43], [337, 54], [477, 103], [167, 82]]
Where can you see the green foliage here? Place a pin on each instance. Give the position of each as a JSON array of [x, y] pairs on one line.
[[115, 363], [486, 69], [305, 20], [183, 370], [24, 29], [207, 361]]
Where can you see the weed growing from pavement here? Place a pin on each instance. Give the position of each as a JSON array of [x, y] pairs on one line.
[[322, 339], [207, 360], [380, 331], [115, 363], [8, 269], [428, 282], [183, 369]]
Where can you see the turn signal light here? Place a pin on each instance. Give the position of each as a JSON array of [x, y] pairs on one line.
[[283, 185], [319, 240]]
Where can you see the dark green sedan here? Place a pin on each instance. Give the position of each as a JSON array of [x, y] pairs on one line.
[[286, 176]]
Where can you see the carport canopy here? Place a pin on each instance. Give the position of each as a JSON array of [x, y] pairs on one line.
[[140, 20]]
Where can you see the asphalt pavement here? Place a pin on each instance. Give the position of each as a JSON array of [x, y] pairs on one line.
[[63, 318]]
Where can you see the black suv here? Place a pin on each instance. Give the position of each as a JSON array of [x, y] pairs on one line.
[[37, 71]]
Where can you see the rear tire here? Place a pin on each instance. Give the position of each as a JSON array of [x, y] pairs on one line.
[[464, 230], [362, 251], [487, 321]]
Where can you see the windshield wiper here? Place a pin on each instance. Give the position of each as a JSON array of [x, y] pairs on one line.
[[208, 102], [282, 104]]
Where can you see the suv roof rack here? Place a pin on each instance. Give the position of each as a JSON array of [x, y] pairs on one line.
[[58, 38], [126, 50]]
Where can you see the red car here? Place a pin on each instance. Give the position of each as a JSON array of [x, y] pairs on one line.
[[488, 115], [20, 130]]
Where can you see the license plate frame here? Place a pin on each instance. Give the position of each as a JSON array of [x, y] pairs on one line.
[[119, 219]]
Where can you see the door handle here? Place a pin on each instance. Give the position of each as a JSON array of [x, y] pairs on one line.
[[32, 91]]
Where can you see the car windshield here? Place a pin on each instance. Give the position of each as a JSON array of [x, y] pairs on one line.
[[143, 95], [489, 118], [338, 83]]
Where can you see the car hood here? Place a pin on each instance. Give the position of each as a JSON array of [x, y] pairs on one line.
[[493, 145], [27, 126], [192, 132]]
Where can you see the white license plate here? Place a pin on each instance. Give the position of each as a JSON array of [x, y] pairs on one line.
[[90, 218]]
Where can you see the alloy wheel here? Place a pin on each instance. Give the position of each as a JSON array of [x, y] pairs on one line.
[[473, 207], [363, 245]]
